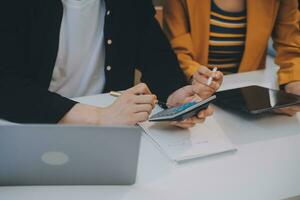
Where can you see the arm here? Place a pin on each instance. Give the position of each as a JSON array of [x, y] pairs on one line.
[[25, 100], [286, 36], [176, 26], [22, 99], [160, 67], [158, 64]]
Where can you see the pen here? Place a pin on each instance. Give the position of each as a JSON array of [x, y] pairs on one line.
[[209, 81], [117, 94]]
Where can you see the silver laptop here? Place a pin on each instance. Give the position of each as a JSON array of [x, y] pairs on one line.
[[68, 155]]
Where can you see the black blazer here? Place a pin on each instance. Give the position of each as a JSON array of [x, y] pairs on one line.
[[29, 39]]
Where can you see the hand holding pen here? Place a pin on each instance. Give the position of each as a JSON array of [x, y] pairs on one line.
[[133, 106], [207, 81], [160, 103]]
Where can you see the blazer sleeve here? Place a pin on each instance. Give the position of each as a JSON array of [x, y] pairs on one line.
[[286, 36], [176, 27], [22, 99], [157, 61]]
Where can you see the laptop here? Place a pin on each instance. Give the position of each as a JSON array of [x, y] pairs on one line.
[[68, 155]]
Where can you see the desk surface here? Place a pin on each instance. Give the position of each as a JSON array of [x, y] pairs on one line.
[[265, 167]]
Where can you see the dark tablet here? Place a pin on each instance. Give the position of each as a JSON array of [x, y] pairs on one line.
[[182, 112], [255, 99]]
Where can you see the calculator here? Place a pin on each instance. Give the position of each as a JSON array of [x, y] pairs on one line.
[[182, 112]]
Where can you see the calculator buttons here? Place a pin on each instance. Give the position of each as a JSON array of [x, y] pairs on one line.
[[173, 111]]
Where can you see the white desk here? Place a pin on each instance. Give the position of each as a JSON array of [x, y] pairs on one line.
[[266, 166]]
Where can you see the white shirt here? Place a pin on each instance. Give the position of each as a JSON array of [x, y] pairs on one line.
[[79, 68]]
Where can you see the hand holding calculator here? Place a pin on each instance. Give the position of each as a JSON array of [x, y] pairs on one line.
[[182, 112]]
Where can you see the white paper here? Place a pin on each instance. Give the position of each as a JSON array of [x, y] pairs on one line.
[[182, 144]]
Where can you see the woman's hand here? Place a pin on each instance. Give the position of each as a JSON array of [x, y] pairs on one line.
[[191, 122], [200, 79], [293, 88], [182, 96]]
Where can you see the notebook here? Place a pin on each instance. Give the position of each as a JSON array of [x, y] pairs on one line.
[[177, 144]]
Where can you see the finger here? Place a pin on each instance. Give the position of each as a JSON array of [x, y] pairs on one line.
[[191, 121], [219, 76], [188, 99], [201, 115], [183, 125], [203, 90], [143, 108], [141, 88], [215, 85], [205, 113], [180, 122], [201, 79], [186, 121], [141, 116], [290, 109], [286, 111], [194, 120], [290, 114], [204, 95], [197, 98], [205, 72], [295, 108], [145, 99], [202, 83], [209, 111]]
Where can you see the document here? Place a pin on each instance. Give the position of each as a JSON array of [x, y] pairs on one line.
[[179, 144]]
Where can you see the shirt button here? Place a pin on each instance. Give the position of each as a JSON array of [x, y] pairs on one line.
[[109, 42], [108, 13], [108, 68]]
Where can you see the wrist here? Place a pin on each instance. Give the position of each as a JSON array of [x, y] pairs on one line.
[[102, 116], [82, 114]]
